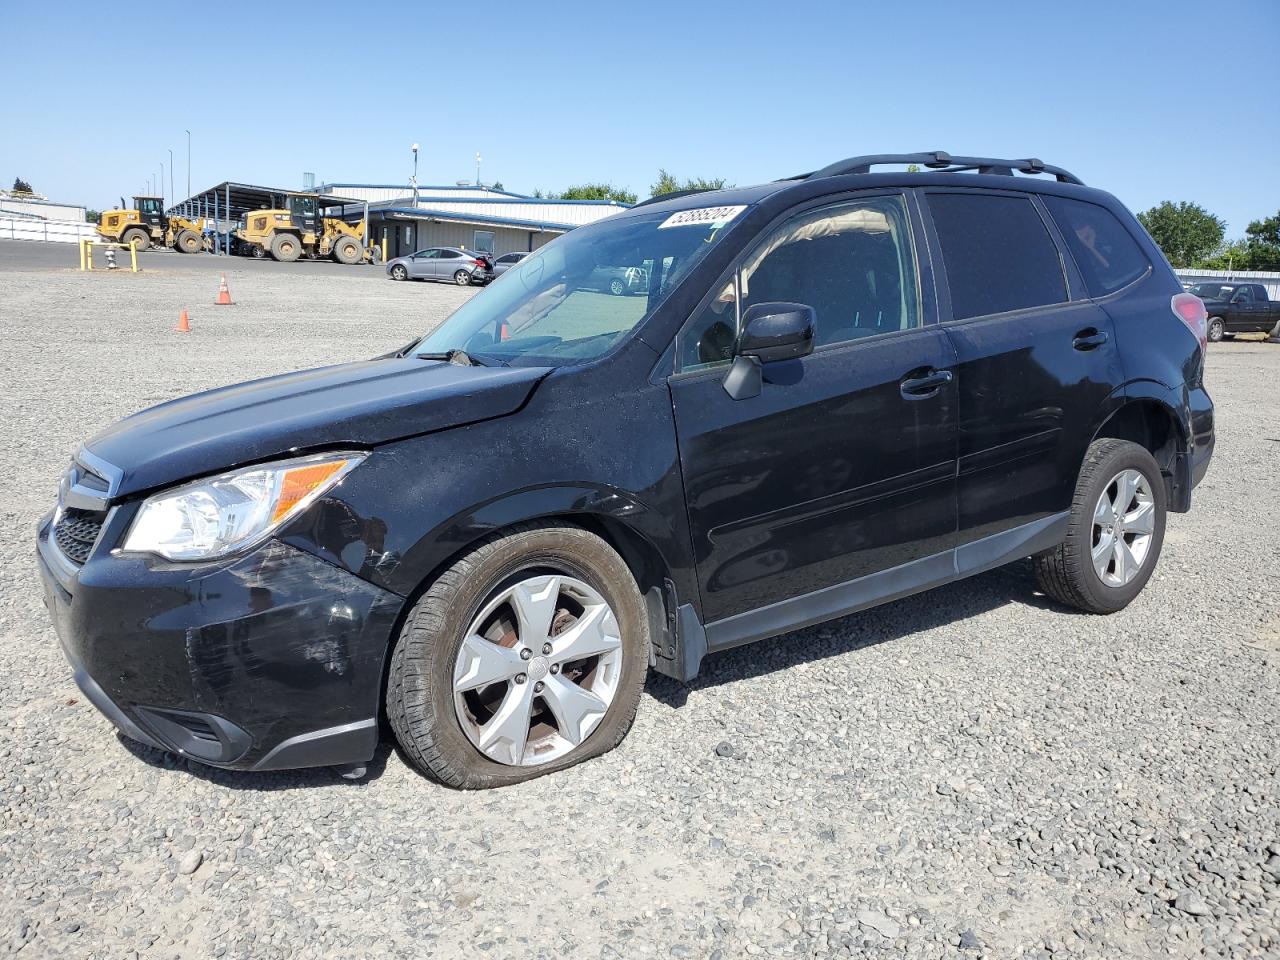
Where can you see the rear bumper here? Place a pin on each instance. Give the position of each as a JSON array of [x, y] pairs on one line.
[[270, 661]]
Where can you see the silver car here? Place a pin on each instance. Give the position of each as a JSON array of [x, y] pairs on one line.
[[506, 262], [441, 263]]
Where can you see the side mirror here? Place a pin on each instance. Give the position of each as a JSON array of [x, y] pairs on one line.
[[770, 332], [776, 331]]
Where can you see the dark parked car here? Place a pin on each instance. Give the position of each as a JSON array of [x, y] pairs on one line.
[[837, 390], [449, 264], [1237, 308]]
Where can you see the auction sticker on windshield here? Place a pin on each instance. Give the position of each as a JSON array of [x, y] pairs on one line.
[[703, 216]]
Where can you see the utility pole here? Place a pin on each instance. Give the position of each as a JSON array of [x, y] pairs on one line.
[[188, 163], [414, 148], [161, 184], [478, 184], [172, 194]]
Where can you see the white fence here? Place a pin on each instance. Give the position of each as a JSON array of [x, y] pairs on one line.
[[1269, 280], [54, 231]]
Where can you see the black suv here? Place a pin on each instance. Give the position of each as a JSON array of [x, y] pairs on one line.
[[836, 389]]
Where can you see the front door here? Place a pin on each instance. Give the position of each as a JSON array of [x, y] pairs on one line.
[[844, 465], [423, 263], [1035, 370]]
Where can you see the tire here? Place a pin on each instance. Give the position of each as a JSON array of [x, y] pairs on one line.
[[462, 278], [1068, 573], [347, 251], [257, 252], [1216, 329], [187, 242], [144, 240], [430, 719], [285, 247], [617, 286], [398, 272]]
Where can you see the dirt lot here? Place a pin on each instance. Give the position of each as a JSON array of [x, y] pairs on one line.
[[972, 772]]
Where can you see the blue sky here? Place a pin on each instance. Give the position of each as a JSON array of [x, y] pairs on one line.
[[1152, 101]]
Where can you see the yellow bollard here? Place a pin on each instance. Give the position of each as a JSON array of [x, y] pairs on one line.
[[82, 239], [384, 249], [133, 254]]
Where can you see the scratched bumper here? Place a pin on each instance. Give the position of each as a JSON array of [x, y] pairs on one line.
[[271, 661]]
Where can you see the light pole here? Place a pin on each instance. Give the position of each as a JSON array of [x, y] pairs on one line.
[[161, 184], [172, 193], [414, 148], [478, 183], [188, 163]]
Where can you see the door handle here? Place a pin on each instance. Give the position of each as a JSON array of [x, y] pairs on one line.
[[924, 386], [1089, 339]]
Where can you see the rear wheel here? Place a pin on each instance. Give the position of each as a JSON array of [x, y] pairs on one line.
[[526, 656], [1216, 329], [187, 242], [462, 278], [346, 250], [617, 287], [285, 247], [1114, 534], [141, 237], [398, 272]]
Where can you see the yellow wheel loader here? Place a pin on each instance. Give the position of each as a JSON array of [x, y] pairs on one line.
[[298, 229], [147, 223]]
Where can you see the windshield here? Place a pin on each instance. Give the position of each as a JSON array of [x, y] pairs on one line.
[[1212, 291], [581, 294]]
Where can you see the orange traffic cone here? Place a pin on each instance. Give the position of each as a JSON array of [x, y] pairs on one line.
[[504, 332], [184, 322], [224, 295]]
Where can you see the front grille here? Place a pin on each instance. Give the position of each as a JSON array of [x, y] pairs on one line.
[[76, 532]]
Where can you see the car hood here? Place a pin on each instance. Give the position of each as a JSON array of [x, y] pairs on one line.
[[360, 404]]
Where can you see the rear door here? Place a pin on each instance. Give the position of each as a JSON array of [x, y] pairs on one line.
[[448, 264], [1033, 368], [422, 264], [844, 465]]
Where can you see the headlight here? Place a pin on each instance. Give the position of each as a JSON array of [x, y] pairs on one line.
[[227, 513]]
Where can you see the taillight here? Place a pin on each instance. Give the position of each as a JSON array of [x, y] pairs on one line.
[[1190, 310]]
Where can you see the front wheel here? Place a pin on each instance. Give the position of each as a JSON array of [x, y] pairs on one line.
[[1216, 329], [527, 656], [1114, 534], [398, 272], [347, 251], [462, 278], [187, 242], [617, 287]]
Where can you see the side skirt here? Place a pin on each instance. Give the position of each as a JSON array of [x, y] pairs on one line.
[[842, 599]]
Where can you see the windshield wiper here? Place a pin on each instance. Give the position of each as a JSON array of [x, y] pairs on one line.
[[462, 358]]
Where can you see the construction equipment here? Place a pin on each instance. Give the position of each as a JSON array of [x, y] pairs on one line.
[[147, 224], [299, 228]]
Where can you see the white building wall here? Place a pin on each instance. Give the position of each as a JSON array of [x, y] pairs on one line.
[[43, 209], [565, 214]]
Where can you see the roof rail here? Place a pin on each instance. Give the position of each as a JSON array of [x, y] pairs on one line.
[[670, 196], [943, 162]]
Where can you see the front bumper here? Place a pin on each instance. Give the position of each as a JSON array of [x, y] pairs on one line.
[[269, 661]]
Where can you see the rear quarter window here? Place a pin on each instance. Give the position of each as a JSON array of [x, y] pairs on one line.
[[998, 254], [1106, 253]]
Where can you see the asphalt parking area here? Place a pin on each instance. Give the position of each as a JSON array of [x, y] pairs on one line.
[[971, 772]]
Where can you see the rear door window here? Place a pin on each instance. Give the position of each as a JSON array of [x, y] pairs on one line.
[[998, 254], [1106, 253]]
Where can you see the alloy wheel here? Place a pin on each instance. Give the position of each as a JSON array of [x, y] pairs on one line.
[[537, 670], [1124, 521]]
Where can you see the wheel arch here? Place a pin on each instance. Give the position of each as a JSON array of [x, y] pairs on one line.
[[641, 536], [1145, 416]]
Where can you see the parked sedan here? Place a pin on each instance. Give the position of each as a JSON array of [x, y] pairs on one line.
[[441, 263], [506, 262]]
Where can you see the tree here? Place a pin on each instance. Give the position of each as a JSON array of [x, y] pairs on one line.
[[497, 185], [92, 216], [1232, 255], [1186, 232], [1263, 241], [596, 191], [666, 183], [21, 186]]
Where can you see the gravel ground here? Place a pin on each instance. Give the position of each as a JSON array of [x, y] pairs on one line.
[[969, 773]]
